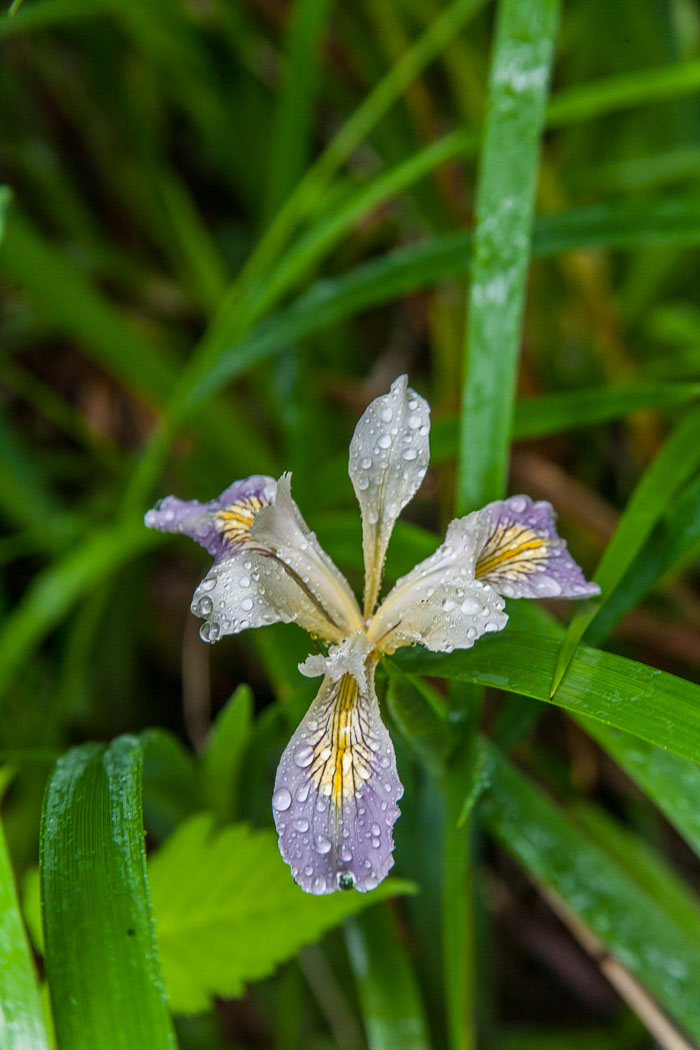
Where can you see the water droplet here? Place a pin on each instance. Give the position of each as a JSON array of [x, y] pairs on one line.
[[346, 880], [470, 606], [205, 606], [303, 793], [387, 415], [345, 853], [244, 581], [371, 882], [303, 756], [209, 632], [518, 504], [323, 845], [281, 800], [301, 825], [208, 584], [375, 829], [384, 441], [247, 604], [375, 843], [412, 405], [319, 884], [448, 605], [414, 422], [409, 454], [366, 463], [362, 483]]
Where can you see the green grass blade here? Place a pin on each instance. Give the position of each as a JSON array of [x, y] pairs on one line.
[[504, 212], [651, 704], [21, 1018], [291, 138], [672, 783], [101, 958], [678, 461], [587, 101], [625, 918], [387, 988], [223, 755], [53, 592]]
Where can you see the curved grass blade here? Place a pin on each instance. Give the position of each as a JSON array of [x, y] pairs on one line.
[[651, 704], [678, 461], [101, 958], [21, 1018]]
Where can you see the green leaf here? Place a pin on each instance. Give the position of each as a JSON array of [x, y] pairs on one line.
[[21, 1018], [5, 198], [518, 85], [678, 461], [101, 957], [227, 911], [421, 717], [223, 754], [386, 984], [649, 703], [671, 782], [631, 924]]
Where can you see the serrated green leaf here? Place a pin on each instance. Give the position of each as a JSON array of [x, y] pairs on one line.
[[227, 911], [101, 958]]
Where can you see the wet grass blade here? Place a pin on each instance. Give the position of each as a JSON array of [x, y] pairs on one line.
[[387, 988], [504, 213], [678, 461], [631, 924], [651, 704], [101, 957], [21, 1019]]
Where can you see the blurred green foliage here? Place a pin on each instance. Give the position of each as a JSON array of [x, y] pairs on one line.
[[227, 225]]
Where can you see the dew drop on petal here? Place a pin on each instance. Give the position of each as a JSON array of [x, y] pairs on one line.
[[323, 845], [303, 756], [470, 606], [205, 606], [247, 604], [319, 884], [384, 441], [301, 825], [281, 800]]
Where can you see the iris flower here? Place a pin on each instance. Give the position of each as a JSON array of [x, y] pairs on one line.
[[337, 788]]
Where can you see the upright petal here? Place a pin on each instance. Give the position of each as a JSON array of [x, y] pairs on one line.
[[519, 553], [389, 455], [280, 528], [439, 604], [336, 791]]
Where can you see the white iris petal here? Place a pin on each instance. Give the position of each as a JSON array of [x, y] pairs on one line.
[[439, 604], [281, 528], [389, 455]]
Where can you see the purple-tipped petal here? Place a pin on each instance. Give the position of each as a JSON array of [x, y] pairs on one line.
[[336, 792], [520, 554], [223, 524]]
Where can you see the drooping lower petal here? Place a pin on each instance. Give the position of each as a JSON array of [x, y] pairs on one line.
[[221, 526], [389, 455], [520, 554], [336, 791], [439, 604]]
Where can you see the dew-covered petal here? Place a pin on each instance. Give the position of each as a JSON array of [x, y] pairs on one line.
[[336, 792], [519, 553], [439, 604], [389, 455], [222, 525], [280, 527], [254, 589]]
